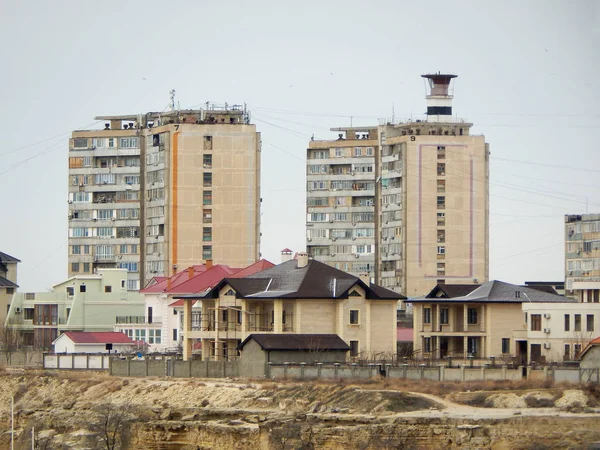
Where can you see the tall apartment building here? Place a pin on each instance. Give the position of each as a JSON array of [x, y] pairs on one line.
[[582, 257], [155, 191], [407, 203]]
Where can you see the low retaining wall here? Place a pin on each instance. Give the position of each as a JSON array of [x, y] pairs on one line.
[[76, 361], [170, 367]]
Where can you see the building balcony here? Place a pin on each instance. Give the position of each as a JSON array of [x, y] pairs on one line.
[[138, 320]]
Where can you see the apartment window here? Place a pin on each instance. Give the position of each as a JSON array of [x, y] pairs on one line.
[[441, 219], [174, 334], [74, 267], [207, 234], [441, 202], [207, 252], [86, 267], [576, 350], [82, 288], [208, 142], [207, 179], [426, 315], [76, 249], [207, 198], [132, 285], [567, 322], [128, 142], [130, 266], [536, 322], [577, 326], [357, 151], [441, 250], [441, 169], [441, 186], [505, 346], [207, 161], [339, 152], [472, 316], [370, 151], [111, 142], [107, 289], [154, 336], [354, 317], [441, 236], [427, 345], [590, 322], [354, 348], [80, 143], [567, 355], [441, 152], [207, 216], [444, 316]]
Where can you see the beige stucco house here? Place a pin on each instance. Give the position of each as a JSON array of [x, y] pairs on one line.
[[484, 321], [8, 282], [299, 296]]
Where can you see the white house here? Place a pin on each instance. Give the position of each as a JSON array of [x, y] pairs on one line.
[[560, 331], [92, 342]]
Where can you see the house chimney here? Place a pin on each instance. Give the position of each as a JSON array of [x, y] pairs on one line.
[[286, 255], [190, 271], [209, 264], [365, 278], [302, 259], [168, 283]]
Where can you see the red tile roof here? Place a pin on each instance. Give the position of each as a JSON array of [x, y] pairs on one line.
[[202, 278], [591, 344], [99, 337], [287, 250]]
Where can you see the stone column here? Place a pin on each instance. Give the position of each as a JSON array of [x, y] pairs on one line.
[[277, 316], [187, 329]]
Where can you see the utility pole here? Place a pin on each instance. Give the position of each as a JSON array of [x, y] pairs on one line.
[[12, 423]]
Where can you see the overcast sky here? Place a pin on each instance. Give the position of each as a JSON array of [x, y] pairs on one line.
[[528, 80]]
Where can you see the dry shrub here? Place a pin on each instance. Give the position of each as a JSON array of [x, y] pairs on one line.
[[125, 382]]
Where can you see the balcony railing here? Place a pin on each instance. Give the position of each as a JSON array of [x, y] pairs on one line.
[[137, 320]]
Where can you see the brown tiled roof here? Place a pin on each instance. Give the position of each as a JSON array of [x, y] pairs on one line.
[[500, 292], [7, 258], [7, 283], [451, 290], [315, 280], [299, 342]]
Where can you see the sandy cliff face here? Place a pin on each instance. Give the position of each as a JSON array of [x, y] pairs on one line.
[[82, 410]]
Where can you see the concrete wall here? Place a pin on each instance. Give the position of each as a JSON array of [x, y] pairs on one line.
[[76, 361]]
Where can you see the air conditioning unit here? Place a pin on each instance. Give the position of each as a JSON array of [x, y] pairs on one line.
[[547, 316], [547, 345], [335, 206], [95, 219], [17, 310], [356, 255], [330, 220], [309, 239], [332, 254], [353, 224], [547, 330], [113, 219], [334, 239], [353, 238]]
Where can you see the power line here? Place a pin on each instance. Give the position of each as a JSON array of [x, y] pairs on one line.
[[584, 169]]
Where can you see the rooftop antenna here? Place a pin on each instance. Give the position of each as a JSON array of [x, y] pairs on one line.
[[393, 113], [172, 94]]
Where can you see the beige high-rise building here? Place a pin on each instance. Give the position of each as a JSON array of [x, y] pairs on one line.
[[157, 191], [407, 203]]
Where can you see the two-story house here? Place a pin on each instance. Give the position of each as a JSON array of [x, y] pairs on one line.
[[299, 296], [161, 325], [81, 303], [482, 322]]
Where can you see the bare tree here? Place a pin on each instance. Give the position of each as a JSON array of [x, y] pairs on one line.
[[10, 340], [111, 423]]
